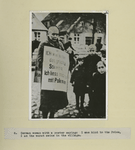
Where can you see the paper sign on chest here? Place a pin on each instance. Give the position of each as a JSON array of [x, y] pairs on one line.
[[55, 69]]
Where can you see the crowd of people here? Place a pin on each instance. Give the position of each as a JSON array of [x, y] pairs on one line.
[[88, 76]]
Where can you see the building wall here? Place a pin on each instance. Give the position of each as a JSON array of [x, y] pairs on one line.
[[85, 39], [43, 35], [79, 39], [42, 38], [100, 35]]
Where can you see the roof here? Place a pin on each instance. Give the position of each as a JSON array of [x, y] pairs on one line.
[[37, 25], [70, 21]]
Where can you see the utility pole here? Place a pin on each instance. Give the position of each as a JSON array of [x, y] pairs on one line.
[[93, 22]]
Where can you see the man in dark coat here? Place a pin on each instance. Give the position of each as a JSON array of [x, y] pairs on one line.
[[98, 45], [51, 101]]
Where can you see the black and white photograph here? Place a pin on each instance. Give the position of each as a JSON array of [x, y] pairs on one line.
[[68, 65]]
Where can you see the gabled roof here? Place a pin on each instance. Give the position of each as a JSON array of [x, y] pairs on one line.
[[69, 21], [37, 25]]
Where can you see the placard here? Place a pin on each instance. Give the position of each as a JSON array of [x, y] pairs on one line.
[[55, 69]]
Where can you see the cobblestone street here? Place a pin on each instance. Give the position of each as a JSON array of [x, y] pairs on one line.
[[69, 111]]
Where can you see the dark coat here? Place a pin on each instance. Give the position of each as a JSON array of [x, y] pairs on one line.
[[35, 45], [98, 46], [51, 100], [90, 63], [67, 45], [71, 61], [99, 94], [79, 80]]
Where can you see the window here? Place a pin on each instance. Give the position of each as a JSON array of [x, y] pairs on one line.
[[88, 40], [76, 38], [37, 35]]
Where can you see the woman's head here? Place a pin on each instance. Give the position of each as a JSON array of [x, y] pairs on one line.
[[92, 49], [53, 33], [101, 67]]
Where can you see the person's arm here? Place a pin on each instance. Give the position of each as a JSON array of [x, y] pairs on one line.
[[93, 81], [72, 77], [71, 46], [40, 55], [61, 45], [73, 74]]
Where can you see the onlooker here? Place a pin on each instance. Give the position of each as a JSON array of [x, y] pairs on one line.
[[70, 50], [35, 43], [71, 59], [103, 51], [78, 81], [98, 45], [90, 67], [98, 101], [68, 44], [51, 101]]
